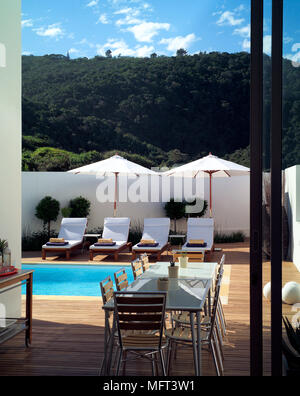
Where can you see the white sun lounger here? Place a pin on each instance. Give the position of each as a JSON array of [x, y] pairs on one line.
[[158, 230], [116, 228], [72, 230], [198, 228]]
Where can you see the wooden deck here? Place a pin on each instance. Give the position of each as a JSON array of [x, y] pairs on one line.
[[68, 332]]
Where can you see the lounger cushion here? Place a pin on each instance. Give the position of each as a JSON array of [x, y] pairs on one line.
[[199, 228], [156, 229], [118, 245], [70, 245], [116, 228], [145, 249], [105, 244]]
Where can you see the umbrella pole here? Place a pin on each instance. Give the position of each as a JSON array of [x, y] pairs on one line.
[[116, 192], [210, 194]]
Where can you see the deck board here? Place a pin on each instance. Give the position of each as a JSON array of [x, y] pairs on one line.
[[68, 333]]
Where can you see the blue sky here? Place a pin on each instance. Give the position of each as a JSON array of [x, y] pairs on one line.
[[141, 27]]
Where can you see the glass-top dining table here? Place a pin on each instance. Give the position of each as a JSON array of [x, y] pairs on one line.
[[189, 292]]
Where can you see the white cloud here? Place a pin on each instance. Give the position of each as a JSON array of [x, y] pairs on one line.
[[229, 18], [244, 31], [92, 3], [52, 31], [295, 57], [27, 23], [129, 20], [267, 44], [175, 43], [103, 19], [296, 47], [246, 44], [73, 51], [120, 47], [26, 53], [125, 11], [145, 31], [84, 41], [144, 51]]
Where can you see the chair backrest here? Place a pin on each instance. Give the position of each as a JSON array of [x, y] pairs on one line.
[[137, 268], [198, 228], [222, 263], [157, 229], [215, 302], [116, 228], [140, 311], [72, 229], [107, 291], [121, 279], [145, 262]]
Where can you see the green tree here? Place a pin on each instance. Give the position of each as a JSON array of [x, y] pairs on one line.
[[181, 52], [47, 210], [80, 207], [108, 53]]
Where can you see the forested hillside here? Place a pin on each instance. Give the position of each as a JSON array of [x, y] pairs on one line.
[[156, 111]]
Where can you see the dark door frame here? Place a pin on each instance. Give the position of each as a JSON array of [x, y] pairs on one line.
[[256, 130]]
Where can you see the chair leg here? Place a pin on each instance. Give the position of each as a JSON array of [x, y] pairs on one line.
[[43, 254], [91, 255], [124, 363], [68, 255], [213, 350], [218, 349], [162, 363], [119, 362], [116, 256], [169, 352], [133, 255]]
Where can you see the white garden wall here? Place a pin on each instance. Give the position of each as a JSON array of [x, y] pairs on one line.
[[10, 134], [230, 200]]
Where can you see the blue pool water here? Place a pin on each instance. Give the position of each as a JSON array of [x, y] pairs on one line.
[[70, 280]]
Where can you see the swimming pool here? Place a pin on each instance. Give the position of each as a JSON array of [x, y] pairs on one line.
[[70, 280]]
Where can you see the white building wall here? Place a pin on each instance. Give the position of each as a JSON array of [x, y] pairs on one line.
[[10, 135], [292, 203], [230, 200]]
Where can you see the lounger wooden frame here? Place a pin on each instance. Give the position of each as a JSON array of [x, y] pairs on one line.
[[151, 251], [66, 251], [115, 252]]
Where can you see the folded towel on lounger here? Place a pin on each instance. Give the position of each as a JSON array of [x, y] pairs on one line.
[[147, 241], [103, 240], [57, 240], [105, 244], [198, 241], [155, 244], [196, 244]]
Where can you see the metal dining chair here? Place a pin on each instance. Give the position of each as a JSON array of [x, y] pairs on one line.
[[137, 268], [121, 279], [145, 262], [181, 334], [107, 292], [143, 312]]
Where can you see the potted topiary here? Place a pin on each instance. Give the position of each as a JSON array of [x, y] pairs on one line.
[[47, 210], [80, 207], [3, 246], [175, 211]]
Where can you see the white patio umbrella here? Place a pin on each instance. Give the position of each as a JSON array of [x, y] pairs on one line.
[[116, 165], [211, 166]]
